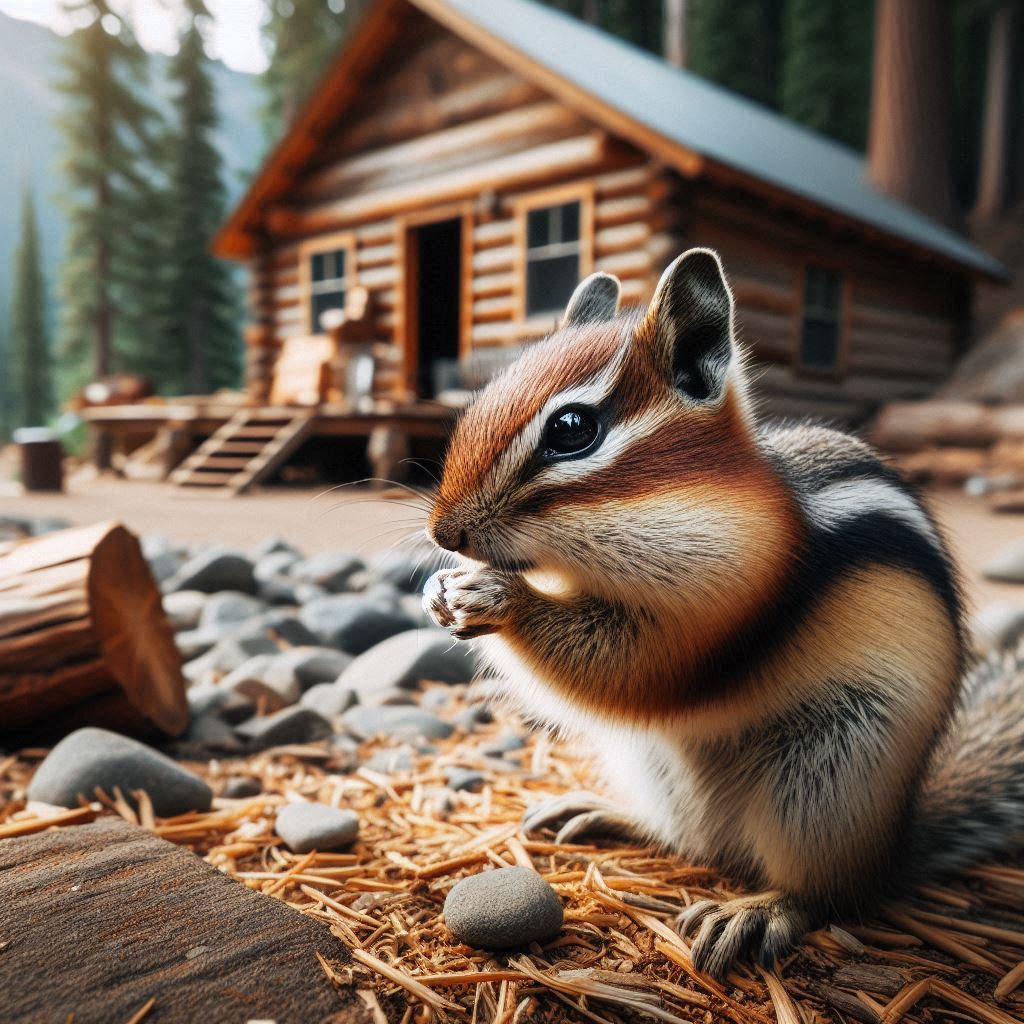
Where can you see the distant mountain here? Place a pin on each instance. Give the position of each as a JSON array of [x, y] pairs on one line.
[[29, 104]]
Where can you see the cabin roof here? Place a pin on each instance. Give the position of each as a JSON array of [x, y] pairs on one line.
[[694, 125]]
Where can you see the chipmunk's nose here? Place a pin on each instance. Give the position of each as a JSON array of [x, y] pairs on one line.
[[448, 535]]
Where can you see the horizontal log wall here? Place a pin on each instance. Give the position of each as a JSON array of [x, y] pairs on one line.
[[901, 324], [445, 126], [625, 240]]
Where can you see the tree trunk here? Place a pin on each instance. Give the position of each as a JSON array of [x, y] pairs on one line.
[[104, 312], [910, 136], [674, 33], [197, 327], [994, 171], [83, 637]]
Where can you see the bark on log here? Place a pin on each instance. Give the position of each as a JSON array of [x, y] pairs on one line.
[[84, 639], [99, 919]]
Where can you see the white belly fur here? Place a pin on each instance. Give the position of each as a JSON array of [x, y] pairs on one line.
[[644, 771]]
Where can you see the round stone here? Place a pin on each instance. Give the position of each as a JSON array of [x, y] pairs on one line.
[[309, 826], [91, 758], [1008, 564], [328, 699], [330, 569], [241, 787], [352, 623], [464, 778], [998, 625], [394, 720], [183, 609], [217, 569], [291, 725], [503, 908], [228, 606], [408, 658]]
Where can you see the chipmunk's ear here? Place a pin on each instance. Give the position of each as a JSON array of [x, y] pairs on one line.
[[689, 325], [595, 300]]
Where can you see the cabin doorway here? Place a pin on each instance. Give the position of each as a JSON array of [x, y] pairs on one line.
[[434, 283]]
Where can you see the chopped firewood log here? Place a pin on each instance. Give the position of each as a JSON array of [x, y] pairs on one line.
[[98, 920], [1007, 456], [909, 426], [944, 465], [84, 639], [1007, 501]]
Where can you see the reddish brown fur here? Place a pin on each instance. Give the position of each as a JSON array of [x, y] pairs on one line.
[[664, 671], [512, 400], [696, 446]]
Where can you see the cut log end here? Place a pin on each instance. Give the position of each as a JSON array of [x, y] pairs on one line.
[[136, 641], [83, 637]]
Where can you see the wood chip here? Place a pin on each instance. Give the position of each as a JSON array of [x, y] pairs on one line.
[[143, 1010], [618, 956], [411, 986], [29, 826]]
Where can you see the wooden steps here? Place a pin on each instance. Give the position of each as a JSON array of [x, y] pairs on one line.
[[245, 450]]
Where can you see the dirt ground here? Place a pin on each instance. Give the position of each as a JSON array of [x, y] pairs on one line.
[[359, 519], [364, 520]]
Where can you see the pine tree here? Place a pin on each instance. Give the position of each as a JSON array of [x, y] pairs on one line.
[[826, 67], [636, 21], [301, 36], [8, 395], [109, 131], [736, 44], [200, 347], [28, 340]]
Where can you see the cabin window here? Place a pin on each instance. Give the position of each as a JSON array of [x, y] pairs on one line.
[[553, 256], [328, 282], [821, 325]]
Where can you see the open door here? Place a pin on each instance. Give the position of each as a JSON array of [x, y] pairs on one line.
[[434, 305]]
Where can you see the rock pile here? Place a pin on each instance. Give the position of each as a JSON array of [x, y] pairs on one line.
[[282, 650]]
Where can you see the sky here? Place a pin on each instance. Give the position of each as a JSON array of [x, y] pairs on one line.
[[235, 38]]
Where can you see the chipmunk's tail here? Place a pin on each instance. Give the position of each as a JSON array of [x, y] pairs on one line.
[[972, 801]]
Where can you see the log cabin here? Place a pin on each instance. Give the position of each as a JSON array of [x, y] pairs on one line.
[[461, 165]]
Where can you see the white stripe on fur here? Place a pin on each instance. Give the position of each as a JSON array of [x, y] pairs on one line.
[[833, 505]]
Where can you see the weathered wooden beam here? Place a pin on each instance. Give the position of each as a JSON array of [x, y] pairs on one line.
[[99, 919], [524, 127], [498, 90], [532, 166], [497, 232]]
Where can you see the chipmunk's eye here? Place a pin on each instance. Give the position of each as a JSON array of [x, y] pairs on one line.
[[572, 431]]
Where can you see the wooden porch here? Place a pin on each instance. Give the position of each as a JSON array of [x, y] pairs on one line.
[[226, 445]]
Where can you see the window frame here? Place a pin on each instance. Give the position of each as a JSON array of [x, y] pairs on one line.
[[341, 241], [580, 192], [839, 370]]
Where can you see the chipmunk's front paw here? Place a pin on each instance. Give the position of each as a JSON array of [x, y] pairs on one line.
[[469, 602], [763, 928]]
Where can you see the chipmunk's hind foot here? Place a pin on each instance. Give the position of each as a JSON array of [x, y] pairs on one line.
[[581, 814], [762, 928]]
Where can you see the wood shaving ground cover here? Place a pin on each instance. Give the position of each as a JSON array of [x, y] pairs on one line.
[[949, 952]]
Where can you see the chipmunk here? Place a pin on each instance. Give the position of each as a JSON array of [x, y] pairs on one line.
[[759, 628]]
